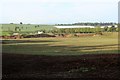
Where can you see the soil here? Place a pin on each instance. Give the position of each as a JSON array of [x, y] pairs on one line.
[[91, 66]]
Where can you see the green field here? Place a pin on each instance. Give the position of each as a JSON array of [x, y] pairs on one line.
[[8, 29], [107, 43]]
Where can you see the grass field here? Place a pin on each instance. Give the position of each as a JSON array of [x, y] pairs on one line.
[[107, 43], [8, 29], [25, 27]]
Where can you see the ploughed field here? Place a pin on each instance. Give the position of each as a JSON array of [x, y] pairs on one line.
[[80, 66], [81, 57]]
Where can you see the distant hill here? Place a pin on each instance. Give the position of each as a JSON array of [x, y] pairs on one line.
[[25, 27]]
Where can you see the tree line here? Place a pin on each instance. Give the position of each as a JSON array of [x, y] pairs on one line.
[[89, 24], [85, 30]]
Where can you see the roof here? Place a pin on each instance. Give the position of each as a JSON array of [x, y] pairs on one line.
[[75, 26], [15, 33]]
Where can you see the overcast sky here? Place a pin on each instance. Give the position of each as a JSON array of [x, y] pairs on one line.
[[58, 11]]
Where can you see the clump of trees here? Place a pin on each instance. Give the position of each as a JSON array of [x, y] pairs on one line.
[[111, 29], [21, 23], [17, 29]]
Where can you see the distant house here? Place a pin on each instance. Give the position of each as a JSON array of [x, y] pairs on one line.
[[103, 26], [74, 26], [15, 34], [39, 32]]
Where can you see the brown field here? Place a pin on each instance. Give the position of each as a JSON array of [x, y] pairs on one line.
[[96, 66]]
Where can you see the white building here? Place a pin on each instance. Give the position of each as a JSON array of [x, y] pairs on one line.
[[83, 26], [39, 32], [74, 26], [103, 26]]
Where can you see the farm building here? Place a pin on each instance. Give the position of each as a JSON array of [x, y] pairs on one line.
[[75, 26], [82, 26]]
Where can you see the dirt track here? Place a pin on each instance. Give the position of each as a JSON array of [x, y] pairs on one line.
[[82, 66]]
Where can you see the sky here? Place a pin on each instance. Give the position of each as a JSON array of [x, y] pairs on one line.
[[58, 11]]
